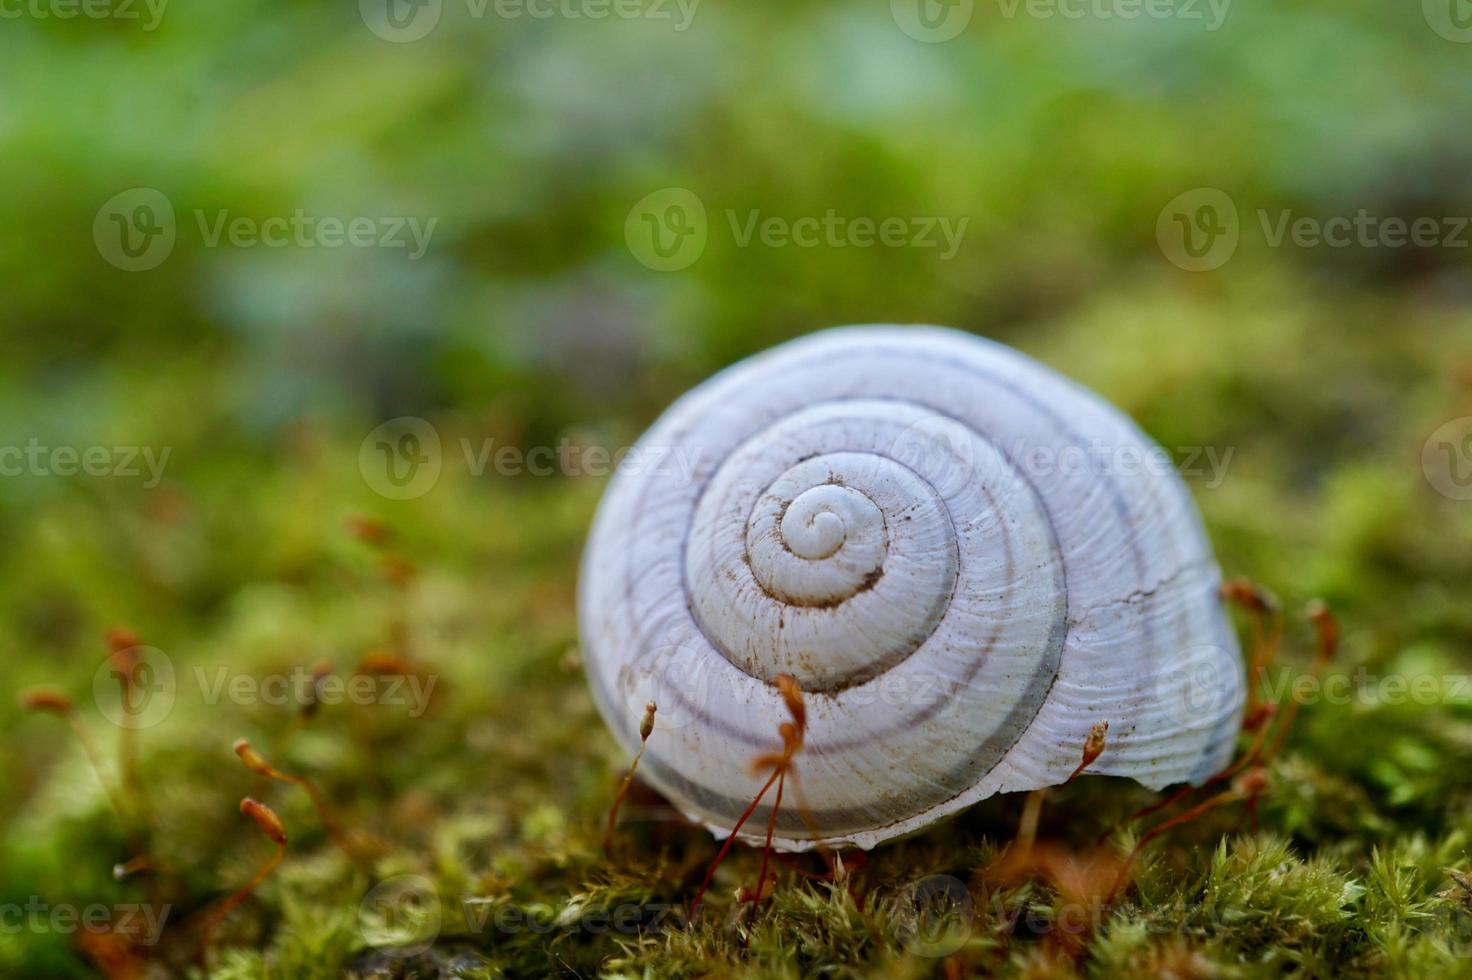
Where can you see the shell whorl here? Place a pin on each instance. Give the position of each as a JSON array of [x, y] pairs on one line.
[[838, 541], [858, 509]]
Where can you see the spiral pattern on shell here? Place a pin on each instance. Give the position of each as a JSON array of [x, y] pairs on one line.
[[890, 515]]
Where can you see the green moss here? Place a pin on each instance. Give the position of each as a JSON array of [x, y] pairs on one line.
[[1316, 376], [487, 796]]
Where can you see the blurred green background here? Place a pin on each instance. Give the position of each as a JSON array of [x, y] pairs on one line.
[[531, 317]]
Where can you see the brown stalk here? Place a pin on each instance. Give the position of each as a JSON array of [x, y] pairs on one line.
[[1267, 632], [122, 645], [646, 728], [54, 702], [1327, 628], [258, 765], [272, 827], [1027, 827]]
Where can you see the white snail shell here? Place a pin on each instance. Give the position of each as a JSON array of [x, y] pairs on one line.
[[964, 559]]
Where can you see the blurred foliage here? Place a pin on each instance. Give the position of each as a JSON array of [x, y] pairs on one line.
[[1322, 370]]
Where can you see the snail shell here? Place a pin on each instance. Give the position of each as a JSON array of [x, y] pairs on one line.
[[964, 559]]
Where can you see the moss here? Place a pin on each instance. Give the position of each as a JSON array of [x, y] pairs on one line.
[[481, 804], [478, 805]]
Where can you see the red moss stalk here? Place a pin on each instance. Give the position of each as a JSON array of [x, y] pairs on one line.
[[792, 734], [1327, 628], [1250, 785]]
